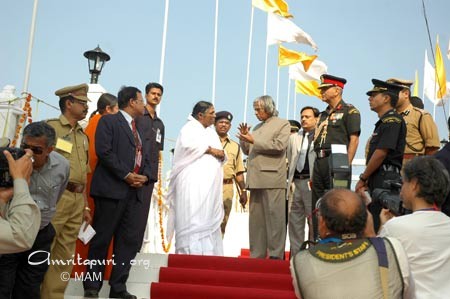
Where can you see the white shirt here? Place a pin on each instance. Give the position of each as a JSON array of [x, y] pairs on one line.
[[425, 236]]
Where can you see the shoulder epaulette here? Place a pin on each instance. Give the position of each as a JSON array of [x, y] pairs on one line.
[[353, 110], [391, 119], [51, 119], [421, 111]]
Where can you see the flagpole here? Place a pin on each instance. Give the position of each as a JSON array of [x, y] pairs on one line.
[[163, 50], [265, 64], [215, 54], [434, 111], [265, 69], [288, 98], [30, 47], [295, 104], [278, 83], [248, 65], [424, 74]]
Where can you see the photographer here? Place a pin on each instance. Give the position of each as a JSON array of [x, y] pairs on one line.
[[21, 274], [386, 145], [345, 263], [20, 216], [424, 234]]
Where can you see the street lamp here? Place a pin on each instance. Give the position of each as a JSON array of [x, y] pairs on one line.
[[96, 59]]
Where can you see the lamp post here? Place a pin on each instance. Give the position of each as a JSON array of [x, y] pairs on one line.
[[96, 59]]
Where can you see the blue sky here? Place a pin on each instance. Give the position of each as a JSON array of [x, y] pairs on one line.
[[358, 40]]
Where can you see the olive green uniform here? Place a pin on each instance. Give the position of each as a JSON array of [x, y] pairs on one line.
[[73, 144], [334, 127], [233, 167]]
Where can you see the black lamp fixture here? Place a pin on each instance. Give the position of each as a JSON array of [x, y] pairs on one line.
[[443, 142], [96, 59]]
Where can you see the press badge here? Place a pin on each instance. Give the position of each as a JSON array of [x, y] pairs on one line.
[[64, 145], [158, 135]]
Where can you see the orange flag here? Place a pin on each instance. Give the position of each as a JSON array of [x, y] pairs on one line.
[[288, 57], [278, 7]]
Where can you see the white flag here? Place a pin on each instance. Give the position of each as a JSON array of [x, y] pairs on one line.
[[316, 69], [307, 82], [282, 30], [448, 50], [430, 86]]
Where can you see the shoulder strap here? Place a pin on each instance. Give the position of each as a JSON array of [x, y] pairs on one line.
[[383, 264]]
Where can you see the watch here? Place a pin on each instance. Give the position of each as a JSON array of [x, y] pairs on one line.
[[361, 177]]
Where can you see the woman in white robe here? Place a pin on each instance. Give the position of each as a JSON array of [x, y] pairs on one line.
[[195, 188]]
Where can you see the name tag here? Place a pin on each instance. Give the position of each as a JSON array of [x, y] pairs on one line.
[[64, 145], [158, 135]]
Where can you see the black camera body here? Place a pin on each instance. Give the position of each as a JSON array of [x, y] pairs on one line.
[[389, 197], [5, 178]]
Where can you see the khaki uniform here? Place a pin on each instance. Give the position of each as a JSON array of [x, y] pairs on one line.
[[234, 166], [421, 132], [69, 210]]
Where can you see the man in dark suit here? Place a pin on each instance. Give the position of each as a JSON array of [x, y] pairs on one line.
[[120, 207]]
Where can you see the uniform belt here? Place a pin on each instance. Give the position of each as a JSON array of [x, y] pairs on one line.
[[323, 153], [228, 181], [75, 187], [390, 168], [302, 176], [411, 156]]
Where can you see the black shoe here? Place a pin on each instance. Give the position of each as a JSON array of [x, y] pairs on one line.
[[124, 295], [89, 293]]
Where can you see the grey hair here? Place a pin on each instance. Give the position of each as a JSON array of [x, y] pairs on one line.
[[269, 105]]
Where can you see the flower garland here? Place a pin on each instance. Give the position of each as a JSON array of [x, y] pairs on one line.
[[23, 117], [160, 207]]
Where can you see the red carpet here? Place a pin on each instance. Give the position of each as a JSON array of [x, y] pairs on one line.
[[191, 276], [245, 253], [190, 291]]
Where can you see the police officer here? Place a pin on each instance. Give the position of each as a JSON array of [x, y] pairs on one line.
[[72, 208], [338, 124], [422, 136], [233, 170], [295, 126], [386, 145]]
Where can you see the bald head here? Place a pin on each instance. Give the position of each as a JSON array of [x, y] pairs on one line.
[[343, 212]]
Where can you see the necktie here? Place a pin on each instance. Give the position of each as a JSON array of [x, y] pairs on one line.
[[303, 152], [137, 142]]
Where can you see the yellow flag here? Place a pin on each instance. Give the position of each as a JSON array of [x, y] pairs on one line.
[[278, 7], [441, 81], [288, 57], [308, 88], [416, 85]]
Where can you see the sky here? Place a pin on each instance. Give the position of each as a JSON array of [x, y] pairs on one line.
[[358, 40]]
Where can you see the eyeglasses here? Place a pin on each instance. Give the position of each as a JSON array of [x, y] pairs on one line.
[[35, 149]]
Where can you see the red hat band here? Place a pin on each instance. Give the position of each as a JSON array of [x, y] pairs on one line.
[[334, 82]]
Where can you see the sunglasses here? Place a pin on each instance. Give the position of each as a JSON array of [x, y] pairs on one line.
[[35, 149]]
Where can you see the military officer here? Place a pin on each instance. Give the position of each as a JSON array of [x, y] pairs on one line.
[[72, 208], [422, 136], [387, 143], [233, 170], [340, 123]]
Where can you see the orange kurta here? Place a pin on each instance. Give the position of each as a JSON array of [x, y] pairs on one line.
[[81, 249]]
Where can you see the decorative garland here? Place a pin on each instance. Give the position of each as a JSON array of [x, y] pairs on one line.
[[160, 207], [23, 117]]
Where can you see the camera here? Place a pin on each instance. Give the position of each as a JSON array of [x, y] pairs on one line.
[[389, 197], [5, 178]]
